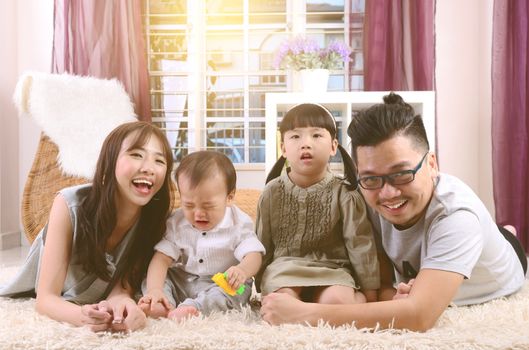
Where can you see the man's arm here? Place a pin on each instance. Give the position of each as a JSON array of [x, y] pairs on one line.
[[432, 292]]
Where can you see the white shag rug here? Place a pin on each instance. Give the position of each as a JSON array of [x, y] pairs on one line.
[[500, 324]]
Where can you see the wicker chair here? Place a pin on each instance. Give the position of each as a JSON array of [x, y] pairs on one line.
[[44, 180]]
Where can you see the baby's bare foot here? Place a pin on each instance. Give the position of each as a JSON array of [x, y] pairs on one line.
[[157, 311], [145, 307], [183, 312]]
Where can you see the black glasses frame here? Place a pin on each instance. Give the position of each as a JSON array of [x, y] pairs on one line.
[[391, 178]]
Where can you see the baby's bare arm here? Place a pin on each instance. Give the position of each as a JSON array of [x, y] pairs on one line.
[[156, 274], [251, 263], [247, 268]]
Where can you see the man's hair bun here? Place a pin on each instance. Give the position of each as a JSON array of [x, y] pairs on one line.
[[393, 99]]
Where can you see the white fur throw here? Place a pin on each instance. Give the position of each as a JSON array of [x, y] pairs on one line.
[[77, 113]]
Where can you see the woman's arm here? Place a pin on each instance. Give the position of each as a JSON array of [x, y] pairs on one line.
[[53, 268]]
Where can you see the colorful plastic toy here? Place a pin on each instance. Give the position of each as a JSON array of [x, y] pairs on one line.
[[220, 279]]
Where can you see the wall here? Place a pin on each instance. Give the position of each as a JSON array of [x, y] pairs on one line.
[[9, 210], [35, 39], [463, 49], [462, 74], [26, 28], [485, 105]]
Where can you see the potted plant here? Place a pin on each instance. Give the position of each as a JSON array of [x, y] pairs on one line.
[[304, 55]]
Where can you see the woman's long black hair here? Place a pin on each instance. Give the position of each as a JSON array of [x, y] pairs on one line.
[[313, 115], [98, 210]]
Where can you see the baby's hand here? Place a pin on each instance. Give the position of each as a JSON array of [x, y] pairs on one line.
[[153, 297], [403, 290], [236, 276]]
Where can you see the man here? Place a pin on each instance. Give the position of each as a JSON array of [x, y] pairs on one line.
[[434, 233]]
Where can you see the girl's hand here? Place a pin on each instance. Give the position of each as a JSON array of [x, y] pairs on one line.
[[403, 290], [236, 276], [96, 316], [127, 316]]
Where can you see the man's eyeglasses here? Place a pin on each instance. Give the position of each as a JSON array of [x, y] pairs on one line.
[[400, 178]]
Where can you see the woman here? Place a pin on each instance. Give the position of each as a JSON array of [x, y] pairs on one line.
[[88, 261]]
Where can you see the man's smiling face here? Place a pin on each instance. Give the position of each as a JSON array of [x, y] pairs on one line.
[[402, 205]]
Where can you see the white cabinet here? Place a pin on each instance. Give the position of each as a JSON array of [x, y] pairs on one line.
[[342, 104]]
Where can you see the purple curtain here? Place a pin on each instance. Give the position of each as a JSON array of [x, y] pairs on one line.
[[510, 115], [103, 39], [399, 45]]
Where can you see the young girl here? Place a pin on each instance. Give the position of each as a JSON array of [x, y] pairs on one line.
[[88, 261], [314, 226], [207, 235]]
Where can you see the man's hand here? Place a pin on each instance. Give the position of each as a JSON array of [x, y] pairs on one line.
[[279, 308]]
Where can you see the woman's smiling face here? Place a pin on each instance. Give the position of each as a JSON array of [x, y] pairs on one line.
[[140, 171]]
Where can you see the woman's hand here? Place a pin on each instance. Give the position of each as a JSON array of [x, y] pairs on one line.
[[127, 315], [96, 316]]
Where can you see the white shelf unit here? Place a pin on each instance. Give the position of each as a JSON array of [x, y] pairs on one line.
[[422, 101]]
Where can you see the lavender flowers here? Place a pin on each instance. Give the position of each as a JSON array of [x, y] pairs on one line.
[[305, 53]]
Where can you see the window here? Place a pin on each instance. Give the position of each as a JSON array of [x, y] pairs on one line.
[[210, 65]]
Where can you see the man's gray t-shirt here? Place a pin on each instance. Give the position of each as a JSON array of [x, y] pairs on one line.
[[456, 234]]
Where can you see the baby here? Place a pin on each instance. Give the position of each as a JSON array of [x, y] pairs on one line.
[[206, 235]]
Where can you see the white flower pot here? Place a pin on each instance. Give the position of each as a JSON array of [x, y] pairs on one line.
[[311, 80]]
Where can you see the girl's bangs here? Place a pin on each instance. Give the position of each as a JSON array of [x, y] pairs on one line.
[[313, 116]]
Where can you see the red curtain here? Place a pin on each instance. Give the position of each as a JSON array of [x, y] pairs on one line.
[[510, 115], [103, 39], [399, 45]]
